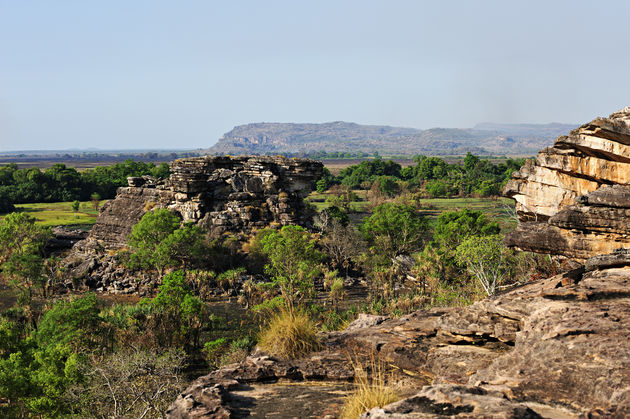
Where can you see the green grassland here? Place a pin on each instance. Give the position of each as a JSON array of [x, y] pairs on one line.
[[495, 208], [60, 213]]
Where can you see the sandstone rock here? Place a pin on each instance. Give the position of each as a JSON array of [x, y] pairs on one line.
[[557, 347], [454, 401], [220, 194], [573, 199]]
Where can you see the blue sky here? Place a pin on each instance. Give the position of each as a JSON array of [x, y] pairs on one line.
[[166, 74]]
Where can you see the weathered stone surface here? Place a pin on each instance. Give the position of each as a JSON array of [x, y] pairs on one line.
[[558, 347], [573, 199], [64, 239], [597, 223], [445, 400]]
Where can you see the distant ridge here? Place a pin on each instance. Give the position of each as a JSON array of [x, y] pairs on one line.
[[300, 139]]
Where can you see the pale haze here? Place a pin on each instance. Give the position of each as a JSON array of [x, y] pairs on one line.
[[165, 74]]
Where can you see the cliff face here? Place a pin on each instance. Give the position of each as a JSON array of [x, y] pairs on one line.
[[221, 194], [572, 200]]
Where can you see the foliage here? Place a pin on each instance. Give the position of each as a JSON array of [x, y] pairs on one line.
[[371, 390], [185, 246], [289, 334], [438, 178], [37, 369], [486, 258], [21, 255], [147, 236], [368, 170], [293, 262], [395, 229], [339, 240], [60, 183], [228, 279], [336, 213], [177, 315], [129, 383], [452, 227]]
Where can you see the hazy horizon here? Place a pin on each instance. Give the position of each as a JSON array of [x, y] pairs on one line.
[[154, 75]]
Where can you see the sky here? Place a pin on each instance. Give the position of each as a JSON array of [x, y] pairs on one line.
[[178, 75]]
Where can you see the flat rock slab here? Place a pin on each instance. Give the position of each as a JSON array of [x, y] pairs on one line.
[[288, 399]]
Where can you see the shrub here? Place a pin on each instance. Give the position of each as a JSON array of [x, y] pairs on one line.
[[370, 391], [289, 334]]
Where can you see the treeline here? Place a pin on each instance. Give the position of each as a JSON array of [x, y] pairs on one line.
[[432, 175], [62, 183]]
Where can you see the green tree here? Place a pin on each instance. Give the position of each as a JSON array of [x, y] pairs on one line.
[[293, 262], [486, 259], [21, 254], [38, 366], [95, 198], [75, 205], [146, 237], [185, 247], [395, 229], [178, 315], [452, 227]]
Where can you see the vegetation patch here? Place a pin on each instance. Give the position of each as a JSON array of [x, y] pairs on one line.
[[371, 390], [289, 334]]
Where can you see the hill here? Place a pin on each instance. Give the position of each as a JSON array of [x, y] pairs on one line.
[[302, 139]]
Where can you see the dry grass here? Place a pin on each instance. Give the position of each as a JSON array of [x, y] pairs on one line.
[[289, 334], [371, 390]]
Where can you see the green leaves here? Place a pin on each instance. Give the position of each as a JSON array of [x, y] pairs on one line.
[[454, 226], [293, 261], [21, 254], [485, 258], [178, 312], [395, 229], [157, 241]]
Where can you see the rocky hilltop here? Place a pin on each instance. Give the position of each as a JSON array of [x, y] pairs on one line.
[[286, 138], [220, 194], [573, 199], [553, 348]]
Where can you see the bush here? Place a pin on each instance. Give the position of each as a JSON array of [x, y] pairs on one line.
[[289, 334], [371, 391]]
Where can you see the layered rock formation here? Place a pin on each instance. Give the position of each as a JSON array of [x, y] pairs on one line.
[[572, 199], [221, 194]]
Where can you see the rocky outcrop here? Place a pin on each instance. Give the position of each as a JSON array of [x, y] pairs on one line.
[[554, 348], [220, 194], [573, 199]]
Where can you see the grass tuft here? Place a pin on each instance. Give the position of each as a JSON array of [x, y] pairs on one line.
[[289, 334], [371, 390]]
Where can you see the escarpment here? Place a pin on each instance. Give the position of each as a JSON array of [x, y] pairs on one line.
[[573, 199]]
